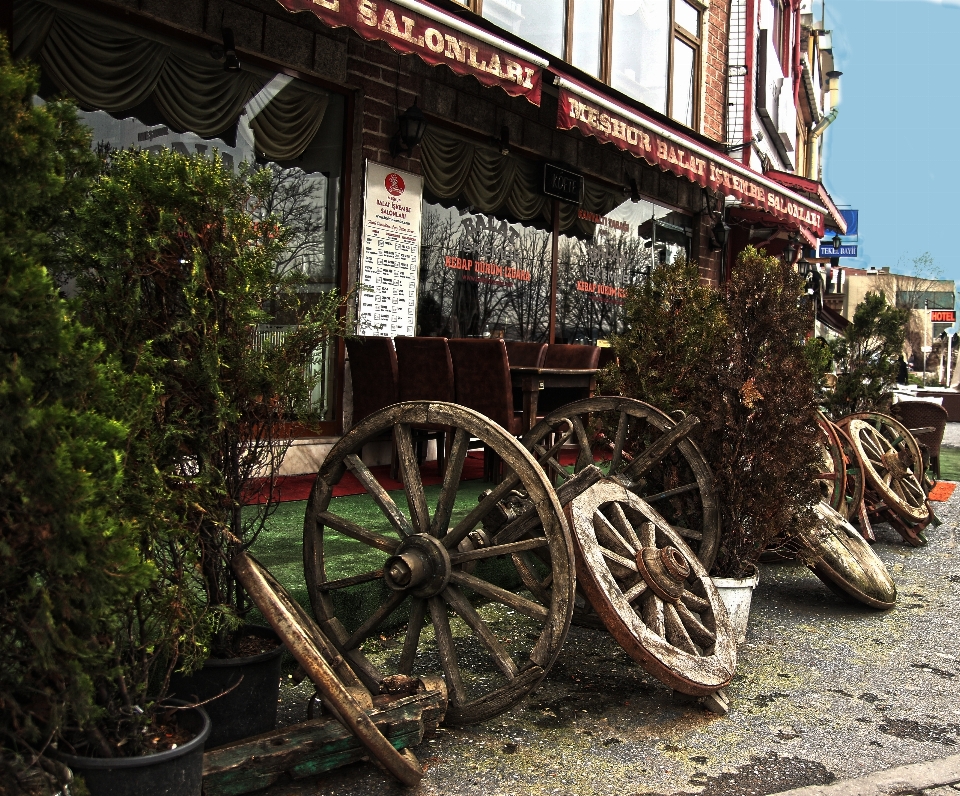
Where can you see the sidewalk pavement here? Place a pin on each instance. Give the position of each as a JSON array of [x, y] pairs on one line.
[[933, 778]]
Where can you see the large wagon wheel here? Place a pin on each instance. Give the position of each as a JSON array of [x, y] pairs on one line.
[[841, 558], [651, 591], [891, 458], [833, 470], [330, 674], [644, 449], [492, 644], [854, 506]]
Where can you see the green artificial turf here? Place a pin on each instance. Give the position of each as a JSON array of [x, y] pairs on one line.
[[950, 464], [280, 549]]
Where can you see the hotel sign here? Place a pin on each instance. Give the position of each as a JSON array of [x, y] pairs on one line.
[[574, 112], [408, 32], [943, 316]]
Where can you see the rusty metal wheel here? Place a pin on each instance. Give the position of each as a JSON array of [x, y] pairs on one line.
[[842, 559], [651, 591], [446, 598], [833, 470], [333, 679], [891, 461], [645, 450]]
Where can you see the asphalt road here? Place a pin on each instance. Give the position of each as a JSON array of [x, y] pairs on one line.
[[825, 690]]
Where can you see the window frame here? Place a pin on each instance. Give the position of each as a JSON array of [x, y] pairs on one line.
[[606, 47]]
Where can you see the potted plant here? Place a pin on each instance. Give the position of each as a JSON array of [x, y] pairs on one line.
[[734, 358], [178, 265], [88, 617]]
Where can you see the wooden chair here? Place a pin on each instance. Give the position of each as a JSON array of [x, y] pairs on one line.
[[526, 355], [373, 369], [426, 374], [924, 414], [567, 356], [482, 383]]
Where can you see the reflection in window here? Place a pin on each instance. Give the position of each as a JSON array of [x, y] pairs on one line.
[[641, 49], [587, 22], [480, 276], [540, 22], [304, 197], [684, 61]]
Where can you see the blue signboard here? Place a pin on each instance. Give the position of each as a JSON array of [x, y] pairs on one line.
[[843, 251], [852, 217]]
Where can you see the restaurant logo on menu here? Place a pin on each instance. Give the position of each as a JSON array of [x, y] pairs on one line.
[[574, 112], [408, 32], [394, 184]]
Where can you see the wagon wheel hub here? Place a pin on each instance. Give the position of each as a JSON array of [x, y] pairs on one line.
[[896, 468], [664, 570], [420, 566]]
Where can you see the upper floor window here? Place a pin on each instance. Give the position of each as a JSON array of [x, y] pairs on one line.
[[648, 49]]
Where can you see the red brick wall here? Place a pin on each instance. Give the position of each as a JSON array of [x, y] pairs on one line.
[[715, 72]]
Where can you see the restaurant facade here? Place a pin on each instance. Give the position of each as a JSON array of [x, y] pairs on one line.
[[507, 168]]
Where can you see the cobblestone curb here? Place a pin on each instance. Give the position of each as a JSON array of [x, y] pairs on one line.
[[934, 778]]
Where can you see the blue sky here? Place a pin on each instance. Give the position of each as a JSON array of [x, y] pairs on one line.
[[894, 151]]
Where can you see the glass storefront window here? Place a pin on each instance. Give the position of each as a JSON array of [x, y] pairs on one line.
[[305, 196], [587, 23], [684, 61], [481, 276], [540, 22], [593, 276], [640, 51]]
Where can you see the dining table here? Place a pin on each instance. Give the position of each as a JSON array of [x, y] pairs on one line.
[[531, 381]]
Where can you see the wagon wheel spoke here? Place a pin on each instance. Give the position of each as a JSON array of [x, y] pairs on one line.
[[676, 633], [669, 440], [380, 495], [585, 457], [353, 580], [459, 532], [448, 655], [354, 531], [410, 476], [635, 591], [608, 535], [515, 601], [623, 525], [462, 606], [451, 481], [374, 621], [623, 425], [494, 551], [411, 639], [670, 493], [652, 614]]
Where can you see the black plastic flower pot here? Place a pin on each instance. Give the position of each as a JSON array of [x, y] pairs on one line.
[[244, 691], [176, 772]]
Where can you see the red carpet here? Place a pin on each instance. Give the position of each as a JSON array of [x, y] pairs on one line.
[[942, 491], [298, 487]]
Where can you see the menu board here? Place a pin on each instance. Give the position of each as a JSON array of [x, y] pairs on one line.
[[390, 257]]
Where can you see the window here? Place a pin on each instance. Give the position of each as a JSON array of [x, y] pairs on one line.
[[648, 49], [781, 35]]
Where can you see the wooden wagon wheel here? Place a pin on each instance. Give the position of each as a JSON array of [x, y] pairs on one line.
[[492, 644], [651, 591], [334, 680], [854, 507], [841, 558], [890, 456], [833, 470], [648, 452]]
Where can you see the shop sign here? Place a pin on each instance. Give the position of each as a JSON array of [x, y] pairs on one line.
[[943, 316], [843, 251], [390, 253], [574, 112], [562, 184], [408, 32]]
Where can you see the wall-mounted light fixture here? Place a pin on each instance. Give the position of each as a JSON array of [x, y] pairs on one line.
[[503, 142], [411, 126], [231, 63], [837, 242], [721, 234]]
